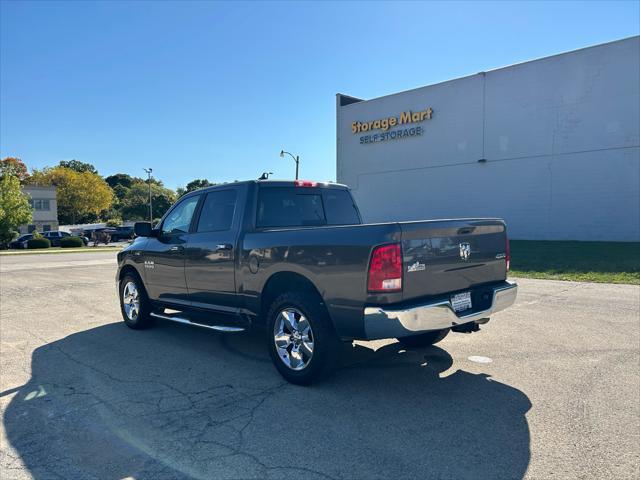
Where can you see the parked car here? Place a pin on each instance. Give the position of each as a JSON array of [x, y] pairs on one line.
[[295, 258], [21, 241], [121, 233], [55, 236]]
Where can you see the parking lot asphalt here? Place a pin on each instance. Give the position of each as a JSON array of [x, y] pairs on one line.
[[548, 389]]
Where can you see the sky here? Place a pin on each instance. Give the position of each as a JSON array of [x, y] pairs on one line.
[[215, 90]]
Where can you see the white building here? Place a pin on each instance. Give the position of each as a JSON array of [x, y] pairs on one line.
[[551, 145], [45, 209]]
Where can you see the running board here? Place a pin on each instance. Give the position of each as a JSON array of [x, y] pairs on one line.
[[218, 328]]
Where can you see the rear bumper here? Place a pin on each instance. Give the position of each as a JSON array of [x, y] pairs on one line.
[[394, 323]]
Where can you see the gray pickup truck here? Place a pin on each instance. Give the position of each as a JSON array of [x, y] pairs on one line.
[[295, 258]]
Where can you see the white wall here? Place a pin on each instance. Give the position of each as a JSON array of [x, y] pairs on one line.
[[43, 193], [561, 136]]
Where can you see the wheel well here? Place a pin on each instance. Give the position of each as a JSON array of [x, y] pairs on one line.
[[128, 269], [286, 282]]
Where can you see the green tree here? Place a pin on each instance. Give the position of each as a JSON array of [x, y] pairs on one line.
[[135, 204], [14, 166], [131, 197], [119, 180], [82, 196], [78, 166], [194, 185], [14, 207], [120, 184], [197, 184], [120, 192]]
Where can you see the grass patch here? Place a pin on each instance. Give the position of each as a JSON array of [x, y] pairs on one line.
[[54, 250], [604, 262]]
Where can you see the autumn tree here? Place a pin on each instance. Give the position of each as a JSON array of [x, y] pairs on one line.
[[14, 166], [14, 207], [80, 195]]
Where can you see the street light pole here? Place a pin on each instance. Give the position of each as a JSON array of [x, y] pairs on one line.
[[295, 159], [149, 170]]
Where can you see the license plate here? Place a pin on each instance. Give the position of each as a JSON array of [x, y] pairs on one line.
[[461, 301]]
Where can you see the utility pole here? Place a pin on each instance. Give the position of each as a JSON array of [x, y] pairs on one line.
[[295, 159], [149, 171]]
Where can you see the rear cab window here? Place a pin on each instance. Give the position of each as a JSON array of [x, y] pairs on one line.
[[305, 206]]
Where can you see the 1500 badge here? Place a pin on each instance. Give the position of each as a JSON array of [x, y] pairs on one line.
[[416, 267]]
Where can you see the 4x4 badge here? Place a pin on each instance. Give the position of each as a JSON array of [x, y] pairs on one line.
[[416, 267]]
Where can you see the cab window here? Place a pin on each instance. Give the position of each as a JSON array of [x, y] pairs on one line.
[[179, 218]]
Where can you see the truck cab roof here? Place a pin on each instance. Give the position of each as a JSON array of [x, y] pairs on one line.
[[273, 183]]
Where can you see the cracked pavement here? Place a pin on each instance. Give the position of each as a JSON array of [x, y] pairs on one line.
[[83, 397]]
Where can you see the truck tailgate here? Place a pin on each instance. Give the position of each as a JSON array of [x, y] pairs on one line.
[[444, 256]]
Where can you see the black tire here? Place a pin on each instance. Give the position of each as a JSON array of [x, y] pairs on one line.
[[424, 339], [143, 318], [326, 344]]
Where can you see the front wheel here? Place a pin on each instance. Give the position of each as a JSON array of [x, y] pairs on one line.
[[134, 303], [301, 340], [424, 339]]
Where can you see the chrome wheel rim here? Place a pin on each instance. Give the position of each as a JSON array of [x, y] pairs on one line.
[[293, 338], [131, 301]]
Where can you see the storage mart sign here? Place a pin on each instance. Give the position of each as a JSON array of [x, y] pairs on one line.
[[406, 120]]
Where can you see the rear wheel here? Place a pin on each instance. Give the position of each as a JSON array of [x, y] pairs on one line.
[[134, 303], [424, 339], [301, 340]]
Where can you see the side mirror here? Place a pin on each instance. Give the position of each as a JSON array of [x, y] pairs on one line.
[[142, 229]]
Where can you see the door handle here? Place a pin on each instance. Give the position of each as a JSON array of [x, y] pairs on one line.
[[224, 246], [176, 248]]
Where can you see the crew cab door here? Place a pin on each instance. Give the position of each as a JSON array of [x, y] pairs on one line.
[[164, 256], [210, 256]]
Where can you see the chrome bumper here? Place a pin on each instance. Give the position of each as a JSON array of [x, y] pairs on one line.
[[390, 323]]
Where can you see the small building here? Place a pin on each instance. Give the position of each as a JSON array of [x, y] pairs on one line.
[[550, 145], [45, 209]]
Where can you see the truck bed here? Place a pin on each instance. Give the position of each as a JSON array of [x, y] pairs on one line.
[[336, 260]]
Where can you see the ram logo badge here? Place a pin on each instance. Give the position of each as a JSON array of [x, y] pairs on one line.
[[465, 251]]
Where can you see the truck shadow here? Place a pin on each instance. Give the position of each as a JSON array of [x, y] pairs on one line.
[[174, 402]]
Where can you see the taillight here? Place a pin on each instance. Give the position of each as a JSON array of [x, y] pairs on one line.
[[305, 183], [385, 269], [507, 250]]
